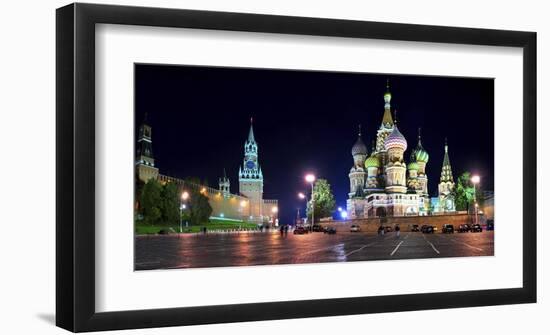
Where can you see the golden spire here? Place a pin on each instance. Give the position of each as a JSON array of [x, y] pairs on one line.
[[387, 120]]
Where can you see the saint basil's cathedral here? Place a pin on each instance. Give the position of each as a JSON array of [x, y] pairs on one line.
[[383, 184]]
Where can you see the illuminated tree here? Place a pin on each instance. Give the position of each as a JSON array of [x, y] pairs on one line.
[[323, 200], [464, 192]]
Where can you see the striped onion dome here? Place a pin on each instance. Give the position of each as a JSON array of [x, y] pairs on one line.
[[413, 166], [372, 161], [396, 140], [421, 154]]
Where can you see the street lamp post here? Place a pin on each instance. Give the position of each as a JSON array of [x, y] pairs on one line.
[[310, 178], [303, 197], [184, 197], [274, 211], [475, 181]]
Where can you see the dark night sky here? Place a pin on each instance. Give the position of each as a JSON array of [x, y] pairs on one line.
[[307, 121]]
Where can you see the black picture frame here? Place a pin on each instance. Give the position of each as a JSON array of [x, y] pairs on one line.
[[75, 172]]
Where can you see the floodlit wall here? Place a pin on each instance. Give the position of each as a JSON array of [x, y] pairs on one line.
[[226, 205]]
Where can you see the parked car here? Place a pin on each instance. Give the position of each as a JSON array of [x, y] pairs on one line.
[[415, 228], [427, 229], [355, 228], [388, 229], [330, 230], [464, 228], [448, 229], [300, 230], [318, 228], [490, 224], [477, 228]]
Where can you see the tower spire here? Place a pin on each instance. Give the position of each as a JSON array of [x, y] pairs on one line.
[[251, 132], [359, 130], [446, 171], [387, 119]]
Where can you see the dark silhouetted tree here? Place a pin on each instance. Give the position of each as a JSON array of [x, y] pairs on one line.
[[170, 202], [151, 202]]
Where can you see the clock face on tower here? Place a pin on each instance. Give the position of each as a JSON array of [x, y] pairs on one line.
[[250, 165]]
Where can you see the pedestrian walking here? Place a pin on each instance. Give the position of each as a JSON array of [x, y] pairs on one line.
[[397, 231]]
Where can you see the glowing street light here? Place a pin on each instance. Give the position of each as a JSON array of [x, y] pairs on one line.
[[301, 195], [184, 197], [310, 178], [339, 209], [344, 214], [475, 180], [274, 219]]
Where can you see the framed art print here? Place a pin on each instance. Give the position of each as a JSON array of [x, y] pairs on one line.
[[290, 167]]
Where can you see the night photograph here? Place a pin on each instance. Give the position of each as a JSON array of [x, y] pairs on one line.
[[242, 166]]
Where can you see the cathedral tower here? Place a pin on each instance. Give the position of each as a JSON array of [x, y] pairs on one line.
[[446, 184], [145, 163], [357, 172], [413, 183], [396, 170], [224, 185], [372, 164], [386, 127], [421, 157], [251, 180]]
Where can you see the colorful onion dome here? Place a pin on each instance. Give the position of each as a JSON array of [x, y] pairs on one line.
[[413, 166], [372, 161], [396, 140], [359, 148], [421, 154]]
